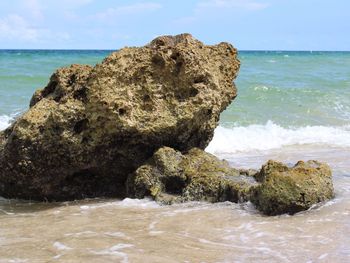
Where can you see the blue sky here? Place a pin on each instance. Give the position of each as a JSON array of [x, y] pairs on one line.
[[107, 24]]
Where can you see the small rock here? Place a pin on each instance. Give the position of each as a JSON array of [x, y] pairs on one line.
[[290, 190], [170, 176]]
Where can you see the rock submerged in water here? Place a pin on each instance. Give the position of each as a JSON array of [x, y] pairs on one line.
[[170, 176], [92, 126]]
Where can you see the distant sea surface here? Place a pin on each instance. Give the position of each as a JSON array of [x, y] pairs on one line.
[[290, 105]]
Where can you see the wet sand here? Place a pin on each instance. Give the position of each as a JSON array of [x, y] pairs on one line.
[[129, 230]]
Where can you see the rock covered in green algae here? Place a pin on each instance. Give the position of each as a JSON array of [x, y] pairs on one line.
[[289, 190], [170, 176], [92, 126]]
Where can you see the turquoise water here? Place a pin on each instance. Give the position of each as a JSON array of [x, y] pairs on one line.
[[24, 71], [292, 89]]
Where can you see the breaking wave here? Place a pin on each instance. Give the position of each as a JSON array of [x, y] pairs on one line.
[[273, 136], [5, 121]]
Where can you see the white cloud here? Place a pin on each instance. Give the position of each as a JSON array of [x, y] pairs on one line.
[[62, 4], [33, 8], [215, 9], [78, 2], [16, 27], [137, 8], [228, 4]]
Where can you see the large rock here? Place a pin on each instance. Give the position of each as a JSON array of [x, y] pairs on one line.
[[286, 189], [170, 176], [91, 127]]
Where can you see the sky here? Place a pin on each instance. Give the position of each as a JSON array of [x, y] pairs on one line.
[[112, 24]]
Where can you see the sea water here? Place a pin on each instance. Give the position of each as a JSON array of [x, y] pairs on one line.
[[290, 106]]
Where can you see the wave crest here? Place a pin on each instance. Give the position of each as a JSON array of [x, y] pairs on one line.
[[273, 136], [5, 121]]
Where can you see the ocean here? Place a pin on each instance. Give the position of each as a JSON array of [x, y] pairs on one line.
[[290, 106]]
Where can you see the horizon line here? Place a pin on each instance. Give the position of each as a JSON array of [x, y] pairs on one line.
[[239, 50]]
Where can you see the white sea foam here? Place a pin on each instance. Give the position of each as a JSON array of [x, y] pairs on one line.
[[60, 246], [273, 136], [262, 87], [115, 250], [127, 202], [140, 203], [4, 121]]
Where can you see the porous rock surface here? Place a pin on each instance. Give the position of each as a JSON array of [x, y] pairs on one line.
[[92, 126], [170, 176], [284, 189]]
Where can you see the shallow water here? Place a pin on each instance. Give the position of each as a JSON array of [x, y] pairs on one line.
[[141, 231], [291, 106]]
